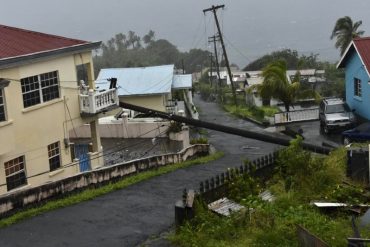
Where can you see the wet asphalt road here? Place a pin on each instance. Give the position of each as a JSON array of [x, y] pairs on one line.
[[134, 215]]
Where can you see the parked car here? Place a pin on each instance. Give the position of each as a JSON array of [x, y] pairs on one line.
[[359, 134], [334, 114]]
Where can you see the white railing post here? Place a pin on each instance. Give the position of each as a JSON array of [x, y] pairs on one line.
[[92, 108]]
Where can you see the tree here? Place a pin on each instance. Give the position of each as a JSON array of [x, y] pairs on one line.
[[149, 37], [277, 85], [126, 50], [344, 31], [291, 57]]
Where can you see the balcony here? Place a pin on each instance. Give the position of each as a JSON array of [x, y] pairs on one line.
[[94, 102]]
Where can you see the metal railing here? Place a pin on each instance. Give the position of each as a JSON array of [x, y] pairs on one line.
[[94, 102], [296, 116]]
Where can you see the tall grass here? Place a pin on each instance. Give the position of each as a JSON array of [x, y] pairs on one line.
[[300, 178]]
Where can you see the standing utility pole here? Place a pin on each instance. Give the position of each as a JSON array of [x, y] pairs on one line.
[[211, 63], [213, 40], [213, 9]]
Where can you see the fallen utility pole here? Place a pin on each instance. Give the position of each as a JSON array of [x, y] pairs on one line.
[[213, 9], [213, 39], [226, 129]]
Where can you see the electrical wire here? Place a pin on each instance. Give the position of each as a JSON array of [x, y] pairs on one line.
[[236, 49], [196, 32], [104, 151], [70, 117], [97, 157]]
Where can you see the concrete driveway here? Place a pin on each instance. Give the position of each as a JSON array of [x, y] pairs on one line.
[[133, 215]]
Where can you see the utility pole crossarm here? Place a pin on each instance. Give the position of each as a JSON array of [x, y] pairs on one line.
[[213, 8]]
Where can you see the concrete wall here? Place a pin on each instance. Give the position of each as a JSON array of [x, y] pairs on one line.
[[156, 102], [12, 202], [355, 69], [28, 131], [124, 129]]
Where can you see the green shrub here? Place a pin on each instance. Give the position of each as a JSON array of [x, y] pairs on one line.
[[174, 127], [301, 177], [206, 91], [200, 140]]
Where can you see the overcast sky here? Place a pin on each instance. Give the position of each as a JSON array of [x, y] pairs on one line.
[[252, 27]]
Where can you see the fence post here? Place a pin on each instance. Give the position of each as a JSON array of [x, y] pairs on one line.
[[237, 172], [184, 196], [222, 178], [271, 159], [262, 162], [217, 180], [207, 185], [266, 160], [228, 175], [201, 187]]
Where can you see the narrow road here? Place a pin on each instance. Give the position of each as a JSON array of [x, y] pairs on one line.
[[133, 215]]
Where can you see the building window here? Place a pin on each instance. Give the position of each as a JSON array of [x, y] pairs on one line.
[[54, 156], [357, 85], [83, 73], [40, 88], [15, 173], [2, 106]]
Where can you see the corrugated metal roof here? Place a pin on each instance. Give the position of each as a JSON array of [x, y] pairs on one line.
[[16, 42], [362, 46], [139, 81], [182, 81]]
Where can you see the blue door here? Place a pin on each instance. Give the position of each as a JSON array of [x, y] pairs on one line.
[[81, 153]]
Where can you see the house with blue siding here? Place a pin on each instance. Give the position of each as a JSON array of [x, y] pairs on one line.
[[356, 63]]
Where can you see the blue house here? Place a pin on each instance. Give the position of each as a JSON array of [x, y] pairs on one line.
[[356, 63]]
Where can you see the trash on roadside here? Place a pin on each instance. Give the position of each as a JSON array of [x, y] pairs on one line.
[[225, 207]]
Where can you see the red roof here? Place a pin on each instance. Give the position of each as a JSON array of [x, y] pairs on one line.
[[363, 48], [16, 42]]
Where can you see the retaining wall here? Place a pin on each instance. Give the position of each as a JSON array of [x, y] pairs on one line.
[[12, 202]]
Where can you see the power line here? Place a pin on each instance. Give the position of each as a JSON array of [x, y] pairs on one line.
[[236, 49], [97, 157]]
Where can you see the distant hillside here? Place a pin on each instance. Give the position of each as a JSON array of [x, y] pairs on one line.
[[291, 57]]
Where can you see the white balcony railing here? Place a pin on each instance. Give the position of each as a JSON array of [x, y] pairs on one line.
[[94, 102]]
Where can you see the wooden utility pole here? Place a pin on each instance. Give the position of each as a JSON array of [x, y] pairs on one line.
[[211, 63], [213, 9], [183, 66], [213, 40]]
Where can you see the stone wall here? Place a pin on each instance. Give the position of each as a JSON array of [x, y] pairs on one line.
[[12, 202]]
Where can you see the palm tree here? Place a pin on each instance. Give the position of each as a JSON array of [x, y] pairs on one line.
[[344, 31], [277, 85]]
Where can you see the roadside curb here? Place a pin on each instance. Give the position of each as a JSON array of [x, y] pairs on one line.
[[261, 124]]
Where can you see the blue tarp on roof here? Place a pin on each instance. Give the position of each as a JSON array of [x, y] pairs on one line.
[[138, 81], [182, 81]]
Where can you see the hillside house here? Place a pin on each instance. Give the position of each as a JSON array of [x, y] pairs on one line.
[[356, 63], [40, 103], [151, 87]]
